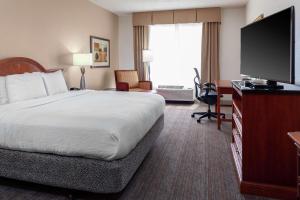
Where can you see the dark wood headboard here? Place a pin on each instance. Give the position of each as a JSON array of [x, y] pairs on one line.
[[20, 65]]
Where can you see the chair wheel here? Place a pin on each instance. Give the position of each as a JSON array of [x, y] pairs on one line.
[[192, 115], [198, 120], [70, 196]]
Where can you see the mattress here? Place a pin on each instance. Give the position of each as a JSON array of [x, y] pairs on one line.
[[86, 174], [104, 125]]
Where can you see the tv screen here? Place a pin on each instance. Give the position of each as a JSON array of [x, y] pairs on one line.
[[267, 48]]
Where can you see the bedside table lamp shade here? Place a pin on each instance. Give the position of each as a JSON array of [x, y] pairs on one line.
[[82, 60], [147, 58]]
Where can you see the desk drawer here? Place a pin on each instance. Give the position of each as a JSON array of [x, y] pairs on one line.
[[237, 124], [238, 142]]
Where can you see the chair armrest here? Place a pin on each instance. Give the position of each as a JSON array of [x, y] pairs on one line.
[[207, 84], [122, 86], [209, 88], [206, 89], [212, 85], [146, 85]]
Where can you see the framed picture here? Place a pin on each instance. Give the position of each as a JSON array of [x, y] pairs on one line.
[[100, 49]]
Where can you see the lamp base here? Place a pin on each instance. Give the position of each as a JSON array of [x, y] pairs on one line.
[[149, 72], [82, 79]]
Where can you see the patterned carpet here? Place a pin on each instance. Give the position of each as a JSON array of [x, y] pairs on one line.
[[189, 161]]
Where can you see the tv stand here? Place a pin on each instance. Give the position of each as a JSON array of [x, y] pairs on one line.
[[264, 156]]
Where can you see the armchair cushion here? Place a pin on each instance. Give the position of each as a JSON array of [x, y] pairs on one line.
[[127, 76]]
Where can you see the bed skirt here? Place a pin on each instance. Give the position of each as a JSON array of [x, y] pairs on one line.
[[78, 173]]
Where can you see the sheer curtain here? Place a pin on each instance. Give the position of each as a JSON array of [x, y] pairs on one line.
[[176, 51]]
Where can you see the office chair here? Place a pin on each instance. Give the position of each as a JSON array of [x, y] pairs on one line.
[[206, 93]]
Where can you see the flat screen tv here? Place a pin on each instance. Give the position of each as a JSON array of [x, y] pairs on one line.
[[267, 48]]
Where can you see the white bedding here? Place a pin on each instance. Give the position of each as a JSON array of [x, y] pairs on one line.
[[95, 124]]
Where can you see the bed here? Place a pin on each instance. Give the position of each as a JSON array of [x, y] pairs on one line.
[[84, 140]]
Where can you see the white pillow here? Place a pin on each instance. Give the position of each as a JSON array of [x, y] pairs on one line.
[[55, 82], [3, 93], [25, 86]]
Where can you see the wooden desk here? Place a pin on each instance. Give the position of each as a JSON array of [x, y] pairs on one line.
[[296, 139], [222, 87]]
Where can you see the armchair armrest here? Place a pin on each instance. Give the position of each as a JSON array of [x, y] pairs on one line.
[[122, 86], [146, 85]]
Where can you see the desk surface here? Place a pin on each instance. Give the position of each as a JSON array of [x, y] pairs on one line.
[[223, 87], [223, 84], [295, 137]]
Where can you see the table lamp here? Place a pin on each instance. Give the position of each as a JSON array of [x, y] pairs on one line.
[[147, 58], [82, 60]]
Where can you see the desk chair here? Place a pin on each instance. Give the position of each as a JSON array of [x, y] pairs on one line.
[[207, 94]]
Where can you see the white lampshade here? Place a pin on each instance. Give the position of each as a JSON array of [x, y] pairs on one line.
[[147, 56], [82, 59]]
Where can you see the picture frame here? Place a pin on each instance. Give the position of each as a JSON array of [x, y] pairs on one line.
[[100, 50]]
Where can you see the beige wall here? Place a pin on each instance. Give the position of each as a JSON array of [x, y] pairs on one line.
[[267, 7], [126, 56], [230, 42], [48, 31]]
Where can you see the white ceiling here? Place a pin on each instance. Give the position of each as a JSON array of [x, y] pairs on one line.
[[122, 7]]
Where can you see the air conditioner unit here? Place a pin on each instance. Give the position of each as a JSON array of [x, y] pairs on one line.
[[176, 93]]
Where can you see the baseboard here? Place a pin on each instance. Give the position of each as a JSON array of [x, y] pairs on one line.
[[266, 190]]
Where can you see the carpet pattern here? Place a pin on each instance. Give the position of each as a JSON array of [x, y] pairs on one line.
[[189, 161]]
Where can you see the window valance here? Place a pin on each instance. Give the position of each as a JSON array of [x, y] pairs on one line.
[[177, 16]]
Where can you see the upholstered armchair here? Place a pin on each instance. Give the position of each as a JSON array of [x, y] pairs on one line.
[[127, 80]]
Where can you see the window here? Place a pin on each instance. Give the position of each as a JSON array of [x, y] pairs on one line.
[[176, 50]]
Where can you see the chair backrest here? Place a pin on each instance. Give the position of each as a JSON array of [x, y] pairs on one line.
[[128, 76], [197, 74], [204, 92], [197, 82]]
